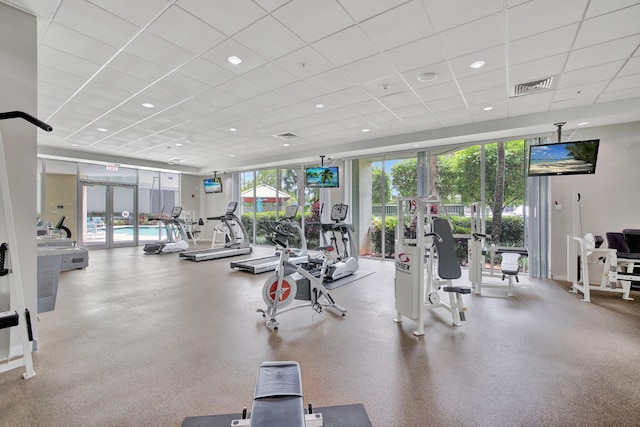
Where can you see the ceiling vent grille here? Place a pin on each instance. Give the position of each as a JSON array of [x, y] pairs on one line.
[[533, 87], [287, 136]]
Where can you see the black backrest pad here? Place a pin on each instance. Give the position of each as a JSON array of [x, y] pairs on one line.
[[448, 265]]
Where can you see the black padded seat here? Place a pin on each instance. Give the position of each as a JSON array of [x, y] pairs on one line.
[[277, 401], [456, 289]]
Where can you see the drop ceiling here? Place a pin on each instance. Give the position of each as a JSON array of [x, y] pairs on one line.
[[340, 78]]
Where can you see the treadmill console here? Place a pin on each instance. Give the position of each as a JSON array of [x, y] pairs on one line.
[[339, 212], [176, 211], [290, 211], [231, 207]]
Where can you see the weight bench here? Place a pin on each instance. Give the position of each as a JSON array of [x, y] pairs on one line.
[[277, 400]]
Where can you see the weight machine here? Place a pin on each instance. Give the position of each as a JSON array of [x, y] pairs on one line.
[[426, 262], [509, 267]]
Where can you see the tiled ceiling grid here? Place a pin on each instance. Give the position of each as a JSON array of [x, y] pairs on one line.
[[324, 71]]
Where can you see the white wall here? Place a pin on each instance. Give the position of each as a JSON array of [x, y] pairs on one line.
[[610, 200], [18, 87]]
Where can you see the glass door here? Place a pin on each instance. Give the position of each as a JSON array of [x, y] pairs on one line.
[[110, 215]]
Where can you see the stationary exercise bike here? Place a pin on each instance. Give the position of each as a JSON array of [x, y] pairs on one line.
[[282, 287]]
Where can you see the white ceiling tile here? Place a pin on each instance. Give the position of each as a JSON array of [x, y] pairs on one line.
[[62, 61], [456, 115], [602, 53], [368, 69], [399, 26], [271, 5], [462, 40], [59, 78], [361, 10], [631, 67], [312, 20], [125, 82], [624, 83], [352, 95], [493, 57], [95, 22], [619, 24], [590, 74], [416, 54], [229, 18], [454, 102], [185, 30], [205, 72], [78, 44], [586, 94], [138, 67], [346, 46], [399, 100], [482, 97], [304, 63], [531, 99], [441, 70], [412, 111], [446, 14], [139, 12], [182, 84], [620, 94], [330, 81], [600, 7], [270, 76], [270, 38], [219, 54], [534, 70], [438, 91], [386, 86], [158, 51], [537, 16], [298, 91], [492, 79], [542, 45]]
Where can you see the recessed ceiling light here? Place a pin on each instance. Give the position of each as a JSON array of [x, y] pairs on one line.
[[75, 145], [179, 144], [477, 64], [487, 108], [147, 105], [366, 130], [232, 155], [427, 77], [416, 145], [319, 105], [234, 60], [102, 130], [233, 129], [285, 145], [583, 123]]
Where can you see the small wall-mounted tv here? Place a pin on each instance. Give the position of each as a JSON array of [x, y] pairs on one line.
[[563, 158], [212, 185], [322, 177]]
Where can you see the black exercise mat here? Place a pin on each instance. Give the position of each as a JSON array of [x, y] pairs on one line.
[[333, 416]]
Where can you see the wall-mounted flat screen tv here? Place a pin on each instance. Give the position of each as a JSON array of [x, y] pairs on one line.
[[564, 158], [212, 185], [322, 177]]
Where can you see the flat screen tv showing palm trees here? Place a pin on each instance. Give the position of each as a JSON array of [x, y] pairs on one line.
[[565, 158], [322, 177]]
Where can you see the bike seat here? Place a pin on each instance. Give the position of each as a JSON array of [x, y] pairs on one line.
[[326, 248]]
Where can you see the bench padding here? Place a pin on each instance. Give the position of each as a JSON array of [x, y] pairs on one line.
[[277, 400]]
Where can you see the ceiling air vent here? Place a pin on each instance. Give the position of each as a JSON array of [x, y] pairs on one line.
[[533, 87], [287, 136]]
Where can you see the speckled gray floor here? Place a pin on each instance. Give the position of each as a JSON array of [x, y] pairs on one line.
[[149, 340]]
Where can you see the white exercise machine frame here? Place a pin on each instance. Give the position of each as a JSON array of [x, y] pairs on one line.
[[16, 284], [281, 288], [476, 254], [416, 283]]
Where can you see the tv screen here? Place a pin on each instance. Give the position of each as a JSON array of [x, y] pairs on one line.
[[322, 177], [563, 158], [212, 185]]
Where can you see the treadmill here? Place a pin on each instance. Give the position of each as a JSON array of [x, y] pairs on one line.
[[237, 244], [264, 264]]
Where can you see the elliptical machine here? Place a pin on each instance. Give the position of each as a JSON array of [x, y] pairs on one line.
[[177, 239], [345, 263]]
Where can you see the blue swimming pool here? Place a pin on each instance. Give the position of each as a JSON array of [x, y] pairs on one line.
[[143, 231]]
